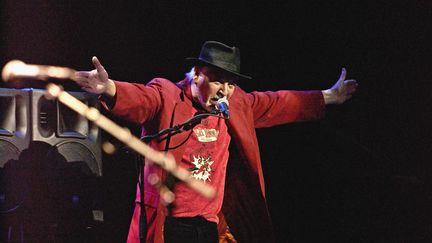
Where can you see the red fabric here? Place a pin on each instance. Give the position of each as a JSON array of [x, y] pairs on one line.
[[133, 235], [207, 153], [162, 103]]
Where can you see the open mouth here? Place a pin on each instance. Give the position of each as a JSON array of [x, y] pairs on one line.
[[214, 100]]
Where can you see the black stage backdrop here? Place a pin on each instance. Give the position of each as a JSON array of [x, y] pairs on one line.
[[361, 175]]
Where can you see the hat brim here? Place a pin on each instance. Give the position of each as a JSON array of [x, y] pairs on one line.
[[197, 61]]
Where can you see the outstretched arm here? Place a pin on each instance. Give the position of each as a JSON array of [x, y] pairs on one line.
[[96, 80], [341, 91]]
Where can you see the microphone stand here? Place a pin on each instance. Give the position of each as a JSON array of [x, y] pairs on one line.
[[168, 132]]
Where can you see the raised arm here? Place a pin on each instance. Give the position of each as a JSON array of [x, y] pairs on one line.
[[285, 106]]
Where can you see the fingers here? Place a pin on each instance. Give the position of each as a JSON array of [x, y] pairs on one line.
[[343, 74], [82, 74], [350, 86], [98, 65], [81, 78], [88, 80], [351, 83]]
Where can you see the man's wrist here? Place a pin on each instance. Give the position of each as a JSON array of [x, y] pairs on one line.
[[329, 96], [111, 88]]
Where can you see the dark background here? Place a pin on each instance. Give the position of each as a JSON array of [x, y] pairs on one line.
[[360, 175]]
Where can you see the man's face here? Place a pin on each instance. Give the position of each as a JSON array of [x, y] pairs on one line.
[[211, 84]]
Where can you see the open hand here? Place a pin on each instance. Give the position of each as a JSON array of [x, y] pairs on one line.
[[341, 91], [94, 81]]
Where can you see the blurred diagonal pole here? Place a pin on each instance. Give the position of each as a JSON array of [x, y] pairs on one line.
[[165, 161]]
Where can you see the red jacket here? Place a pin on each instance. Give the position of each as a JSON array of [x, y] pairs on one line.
[[161, 104]]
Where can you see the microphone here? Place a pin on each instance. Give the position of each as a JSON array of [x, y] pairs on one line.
[[19, 69], [222, 106]]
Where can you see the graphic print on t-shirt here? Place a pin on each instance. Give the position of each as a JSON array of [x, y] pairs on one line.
[[201, 158], [202, 169], [206, 135]]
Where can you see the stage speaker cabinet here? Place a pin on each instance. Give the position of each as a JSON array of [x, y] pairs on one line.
[[50, 166], [26, 116], [14, 124]]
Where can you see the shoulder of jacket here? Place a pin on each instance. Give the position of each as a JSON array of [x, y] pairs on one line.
[[161, 81], [239, 95]]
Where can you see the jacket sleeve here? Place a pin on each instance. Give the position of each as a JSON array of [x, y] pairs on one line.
[[273, 108], [136, 102]]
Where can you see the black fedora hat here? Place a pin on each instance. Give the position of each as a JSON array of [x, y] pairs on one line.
[[219, 55]]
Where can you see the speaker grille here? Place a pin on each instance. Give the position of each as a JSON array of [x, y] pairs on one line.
[[8, 151], [78, 154], [13, 183]]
